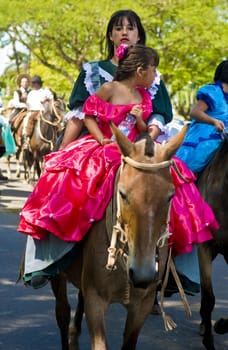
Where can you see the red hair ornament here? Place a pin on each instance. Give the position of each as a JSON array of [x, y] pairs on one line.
[[122, 51]]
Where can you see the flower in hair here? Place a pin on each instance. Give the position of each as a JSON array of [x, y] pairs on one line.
[[122, 51]]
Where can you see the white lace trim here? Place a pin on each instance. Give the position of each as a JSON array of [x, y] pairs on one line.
[[104, 74], [88, 73], [74, 113], [154, 87], [88, 83], [162, 127]]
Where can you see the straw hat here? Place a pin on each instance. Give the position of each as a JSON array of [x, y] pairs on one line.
[[21, 76]]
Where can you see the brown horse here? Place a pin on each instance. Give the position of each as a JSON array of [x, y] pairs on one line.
[[213, 185], [47, 125], [144, 190]]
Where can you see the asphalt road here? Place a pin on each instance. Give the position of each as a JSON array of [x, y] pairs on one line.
[[27, 316]]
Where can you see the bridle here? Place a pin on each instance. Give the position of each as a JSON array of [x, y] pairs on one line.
[[118, 232], [53, 124], [57, 115]]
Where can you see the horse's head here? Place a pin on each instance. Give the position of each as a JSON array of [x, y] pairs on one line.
[[144, 193], [54, 109]]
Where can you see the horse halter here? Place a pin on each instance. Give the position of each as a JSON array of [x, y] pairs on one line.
[[58, 117], [147, 166], [48, 122], [118, 229]]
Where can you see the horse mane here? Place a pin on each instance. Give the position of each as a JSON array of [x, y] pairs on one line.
[[221, 154], [149, 146], [54, 94], [218, 166]]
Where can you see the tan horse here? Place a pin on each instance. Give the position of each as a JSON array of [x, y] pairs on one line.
[[144, 191]]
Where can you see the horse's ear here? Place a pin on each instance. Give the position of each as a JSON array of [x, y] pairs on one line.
[[174, 143], [125, 145]]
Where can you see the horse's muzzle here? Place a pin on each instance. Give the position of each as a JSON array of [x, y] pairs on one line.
[[143, 277]]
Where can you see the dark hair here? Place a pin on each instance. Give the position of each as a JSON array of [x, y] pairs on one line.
[[221, 72], [116, 19], [137, 56]]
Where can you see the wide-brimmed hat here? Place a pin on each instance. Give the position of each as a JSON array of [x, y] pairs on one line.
[[21, 76], [37, 79]]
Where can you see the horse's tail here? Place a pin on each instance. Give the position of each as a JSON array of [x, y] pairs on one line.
[[21, 269]]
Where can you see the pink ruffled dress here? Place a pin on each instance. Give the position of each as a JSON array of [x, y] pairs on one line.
[[191, 218], [77, 185]]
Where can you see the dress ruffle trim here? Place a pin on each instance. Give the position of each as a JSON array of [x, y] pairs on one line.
[[75, 113]]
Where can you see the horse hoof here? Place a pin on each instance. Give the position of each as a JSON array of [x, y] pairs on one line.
[[221, 326], [209, 344], [202, 329]]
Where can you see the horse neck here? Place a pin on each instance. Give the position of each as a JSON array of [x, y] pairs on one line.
[[214, 177]]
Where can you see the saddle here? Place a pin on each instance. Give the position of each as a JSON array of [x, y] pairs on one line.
[[17, 120]]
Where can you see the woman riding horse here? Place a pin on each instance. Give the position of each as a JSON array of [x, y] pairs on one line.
[[93, 164]]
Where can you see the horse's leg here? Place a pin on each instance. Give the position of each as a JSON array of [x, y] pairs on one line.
[[28, 161], [95, 308], [25, 164], [136, 316], [62, 307], [18, 163], [207, 296], [75, 328], [9, 173], [37, 169]]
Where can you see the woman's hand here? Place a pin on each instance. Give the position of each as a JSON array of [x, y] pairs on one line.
[[219, 125], [137, 111], [105, 141], [199, 113], [93, 128]]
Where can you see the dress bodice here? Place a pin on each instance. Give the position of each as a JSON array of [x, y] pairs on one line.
[[105, 112]]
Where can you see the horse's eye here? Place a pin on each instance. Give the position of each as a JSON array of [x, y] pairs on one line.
[[123, 196]]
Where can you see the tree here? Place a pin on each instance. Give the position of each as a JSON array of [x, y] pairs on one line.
[[60, 35]]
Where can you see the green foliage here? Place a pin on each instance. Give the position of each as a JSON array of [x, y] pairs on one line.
[[190, 36]]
